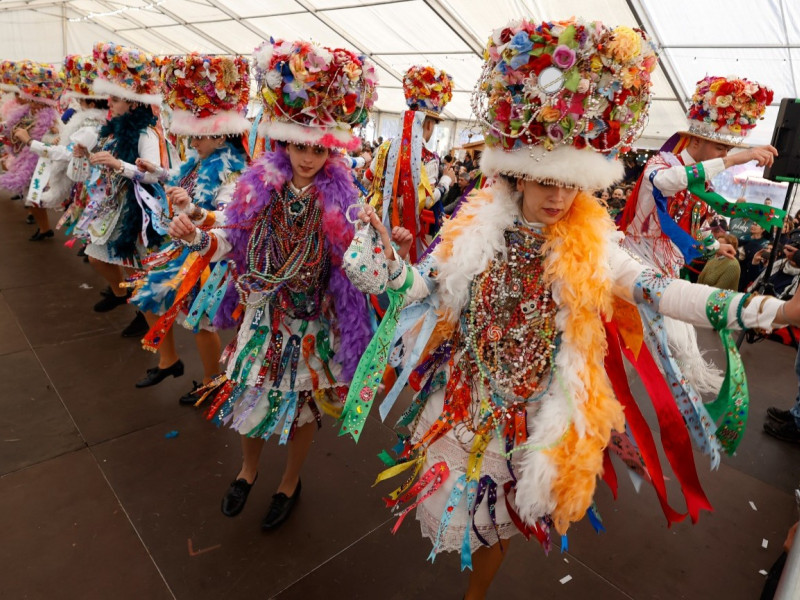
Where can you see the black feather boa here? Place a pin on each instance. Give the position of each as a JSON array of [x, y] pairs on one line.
[[125, 130]]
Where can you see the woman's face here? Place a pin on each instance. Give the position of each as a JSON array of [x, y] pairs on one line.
[[604, 196], [756, 229], [118, 106], [306, 162], [206, 145], [546, 204]]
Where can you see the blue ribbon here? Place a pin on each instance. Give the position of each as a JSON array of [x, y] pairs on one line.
[[254, 131], [685, 242]]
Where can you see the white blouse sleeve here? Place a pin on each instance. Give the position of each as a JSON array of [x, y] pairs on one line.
[[149, 150], [52, 151], [680, 299]]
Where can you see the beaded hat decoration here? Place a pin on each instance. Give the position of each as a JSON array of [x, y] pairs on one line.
[[126, 73], [9, 75], [208, 95], [312, 94], [41, 82], [558, 100], [726, 109], [427, 89], [80, 71]]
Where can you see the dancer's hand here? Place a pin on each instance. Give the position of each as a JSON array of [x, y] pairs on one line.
[[22, 135], [368, 215], [726, 250], [763, 155], [105, 159], [80, 151], [145, 166], [179, 198], [182, 228], [403, 238]]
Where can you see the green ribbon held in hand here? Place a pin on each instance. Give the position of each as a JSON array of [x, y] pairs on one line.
[[766, 216], [733, 401], [369, 371]]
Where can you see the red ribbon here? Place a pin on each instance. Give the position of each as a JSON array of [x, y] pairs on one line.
[[638, 426]]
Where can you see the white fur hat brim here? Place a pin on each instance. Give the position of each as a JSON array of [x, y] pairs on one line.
[[586, 169], [39, 99], [106, 88], [230, 122], [317, 136], [78, 96]]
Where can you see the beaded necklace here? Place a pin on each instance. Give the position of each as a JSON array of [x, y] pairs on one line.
[[189, 180], [286, 257], [509, 326]]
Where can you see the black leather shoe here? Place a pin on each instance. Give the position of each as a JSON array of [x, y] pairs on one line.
[[155, 375], [190, 397], [280, 508], [786, 432], [781, 416], [39, 235], [136, 328], [111, 302], [236, 497], [29, 219], [82, 251]]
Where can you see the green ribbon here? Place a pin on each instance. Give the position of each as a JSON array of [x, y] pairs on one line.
[[369, 371], [766, 216], [733, 401]]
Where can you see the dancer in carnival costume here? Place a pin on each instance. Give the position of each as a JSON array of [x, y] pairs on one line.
[[9, 90], [514, 409], [208, 96], [50, 187], [404, 173], [305, 325], [665, 219], [123, 217], [37, 119]]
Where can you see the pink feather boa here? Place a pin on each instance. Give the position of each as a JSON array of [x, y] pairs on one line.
[[21, 166]]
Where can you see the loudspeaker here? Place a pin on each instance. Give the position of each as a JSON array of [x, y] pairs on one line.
[[786, 139]]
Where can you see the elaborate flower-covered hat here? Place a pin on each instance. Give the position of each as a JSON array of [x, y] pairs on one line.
[[9, 75], [312, 94], [427, 89], [126, 73], [81, 72], [557, 100], [207, 94], [726, 109], [41, 82]]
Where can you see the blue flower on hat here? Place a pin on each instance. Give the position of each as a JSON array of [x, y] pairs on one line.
[[521, 44]]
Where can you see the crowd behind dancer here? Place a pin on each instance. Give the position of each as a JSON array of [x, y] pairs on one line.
[[510, 337]]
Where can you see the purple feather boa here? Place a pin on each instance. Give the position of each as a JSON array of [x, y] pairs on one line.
[[336, 190], [13, 115], [21, 167]]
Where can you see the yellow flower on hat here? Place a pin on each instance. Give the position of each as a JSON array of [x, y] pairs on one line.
[[625, 44], [549, 114], [597, 64], [715, 86]]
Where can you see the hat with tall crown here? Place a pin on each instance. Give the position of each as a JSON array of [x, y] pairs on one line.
[[81, 72], [312, 94], [208, 95], [41, 82], [126, 73], [558, 100], [726, 109], [427, 89]]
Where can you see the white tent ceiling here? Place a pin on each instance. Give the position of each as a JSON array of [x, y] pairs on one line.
[[756, 39]]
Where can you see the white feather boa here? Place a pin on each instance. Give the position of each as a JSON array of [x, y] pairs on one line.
[[480, 242]]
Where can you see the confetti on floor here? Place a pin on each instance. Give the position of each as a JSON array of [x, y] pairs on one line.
[[565, 579], [764, 543], [763, 572], [753, 505]]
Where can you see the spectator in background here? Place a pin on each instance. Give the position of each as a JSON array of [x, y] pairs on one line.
[[753, 256], [455, 192], [618, 195], [740, 226], [604, 196], [722, 271], [767, 201]]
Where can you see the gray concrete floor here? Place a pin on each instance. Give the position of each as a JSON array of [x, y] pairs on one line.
[[95, 501]]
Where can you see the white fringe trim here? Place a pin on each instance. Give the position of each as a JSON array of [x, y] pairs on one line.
[[300, 134], [229, 122], [586, 169], [103, 87]]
